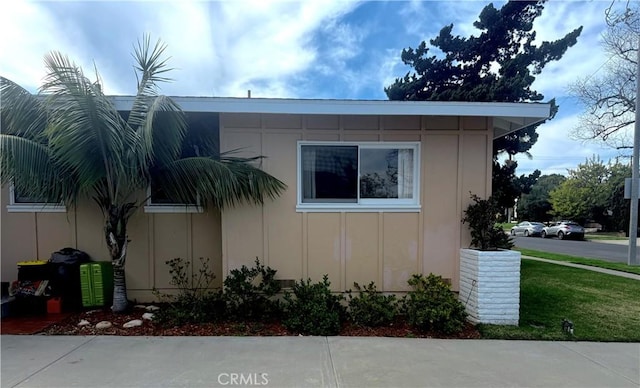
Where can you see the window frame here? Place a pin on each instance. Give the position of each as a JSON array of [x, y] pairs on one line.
[[32, 207], [151, 207], [362, 204]]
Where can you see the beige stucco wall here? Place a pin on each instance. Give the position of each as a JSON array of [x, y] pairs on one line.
[[155, 238], [384, 247]]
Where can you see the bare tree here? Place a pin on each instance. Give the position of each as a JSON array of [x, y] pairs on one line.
[[610, 97]]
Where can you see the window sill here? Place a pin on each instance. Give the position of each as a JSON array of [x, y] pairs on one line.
[[173, 209], [36, 208], [351, 208]]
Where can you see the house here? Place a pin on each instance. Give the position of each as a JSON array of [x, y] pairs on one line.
[[376, 192]]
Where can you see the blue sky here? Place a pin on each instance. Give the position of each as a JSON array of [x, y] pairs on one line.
[[305, 49]]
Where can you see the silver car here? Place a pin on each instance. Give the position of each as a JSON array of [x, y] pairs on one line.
[[564, 229], [526, 228]]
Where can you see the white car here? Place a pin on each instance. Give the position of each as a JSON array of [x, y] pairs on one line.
[[564, 229], [527, 229]]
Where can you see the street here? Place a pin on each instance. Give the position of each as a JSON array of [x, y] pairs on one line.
[[590, 249]]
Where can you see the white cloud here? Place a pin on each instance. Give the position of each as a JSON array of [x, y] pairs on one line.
[[555, 152], [328, 49], [581, 60], [217, 48]]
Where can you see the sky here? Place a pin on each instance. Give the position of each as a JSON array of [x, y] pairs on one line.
[[336, 49]]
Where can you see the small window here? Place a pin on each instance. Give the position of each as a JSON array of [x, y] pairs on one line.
[[19, 203], [159, 202], [358, 176]]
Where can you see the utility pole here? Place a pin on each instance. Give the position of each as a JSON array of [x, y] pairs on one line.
[[632, 259]]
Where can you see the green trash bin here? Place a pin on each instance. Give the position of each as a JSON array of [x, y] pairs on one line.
[[96, 283]]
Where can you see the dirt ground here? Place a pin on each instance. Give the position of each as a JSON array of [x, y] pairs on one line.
[[69, 326]]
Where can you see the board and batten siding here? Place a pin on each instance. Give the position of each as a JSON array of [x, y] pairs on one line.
[[155, 238], [384, 247]]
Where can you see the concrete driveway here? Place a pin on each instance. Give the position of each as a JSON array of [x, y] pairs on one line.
[[110, 361]]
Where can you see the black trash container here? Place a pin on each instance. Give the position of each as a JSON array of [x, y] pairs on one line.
[[65, 276]]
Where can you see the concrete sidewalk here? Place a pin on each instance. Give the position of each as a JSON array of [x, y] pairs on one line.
[[106, 361]]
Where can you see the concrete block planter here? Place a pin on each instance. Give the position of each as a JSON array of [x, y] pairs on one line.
[[490, 285]]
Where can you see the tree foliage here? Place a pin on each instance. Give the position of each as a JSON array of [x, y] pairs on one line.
[[593, 191], [499, 64], [535, 205], [610, 94], [70, 142], [508, 186]]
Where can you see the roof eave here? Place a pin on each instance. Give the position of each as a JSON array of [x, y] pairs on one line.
[[507, 117]]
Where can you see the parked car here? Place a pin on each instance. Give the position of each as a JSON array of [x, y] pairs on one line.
[[564, 229], [527, 229]]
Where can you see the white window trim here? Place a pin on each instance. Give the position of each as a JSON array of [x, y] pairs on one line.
[[151, 207], [364, 205], [32, 207]]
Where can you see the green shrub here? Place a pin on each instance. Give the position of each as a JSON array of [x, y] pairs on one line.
[[250, 293], [431, 305], [195, 301], [481, 217], [370, 307], [313, 309]]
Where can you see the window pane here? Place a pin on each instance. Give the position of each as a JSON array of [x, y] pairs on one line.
[[19, 197], [329, 173], [160, 197], [386, 173]]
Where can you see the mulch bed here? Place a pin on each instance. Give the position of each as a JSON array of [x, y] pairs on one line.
[[69, 326]]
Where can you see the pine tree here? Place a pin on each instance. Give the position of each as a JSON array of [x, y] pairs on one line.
[[498, 65]]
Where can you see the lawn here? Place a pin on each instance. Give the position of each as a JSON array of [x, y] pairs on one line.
[[605, 236], [602, 307], [580, 260]]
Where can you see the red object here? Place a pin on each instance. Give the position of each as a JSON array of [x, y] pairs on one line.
[[54, 306]]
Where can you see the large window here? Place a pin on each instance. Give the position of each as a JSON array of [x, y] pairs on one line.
[[358, 176]]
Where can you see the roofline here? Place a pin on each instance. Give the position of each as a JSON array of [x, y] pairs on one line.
[[508, 116]]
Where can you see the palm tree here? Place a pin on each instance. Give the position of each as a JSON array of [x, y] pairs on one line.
[[69, 142]]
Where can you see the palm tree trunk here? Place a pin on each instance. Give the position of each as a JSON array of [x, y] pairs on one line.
[[120, 302], [116, 236]]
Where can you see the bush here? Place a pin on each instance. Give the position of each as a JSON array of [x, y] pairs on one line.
[[250, 293], [481, 217], [195, 301], [431, 305], [314, 310], [370, 307]]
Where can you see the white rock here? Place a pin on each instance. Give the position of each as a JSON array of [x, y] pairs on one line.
[[148, 316], [92, 312], [83, 322], [134, 323], [139, 306], [103, 325], [153, 308]]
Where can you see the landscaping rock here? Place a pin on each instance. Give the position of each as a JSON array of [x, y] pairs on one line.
[[83, 322], [148, 316], [103, 325], [152, 308], [133, 323]]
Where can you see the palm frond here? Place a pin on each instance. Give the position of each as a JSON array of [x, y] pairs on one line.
[[85, 131], [23, 114], [162, 132], [33, 170], [218, 183], [149, 69]]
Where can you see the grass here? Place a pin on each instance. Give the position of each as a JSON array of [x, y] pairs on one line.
[[506, 226], [580, 260], [605, 236], [602, 307]]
